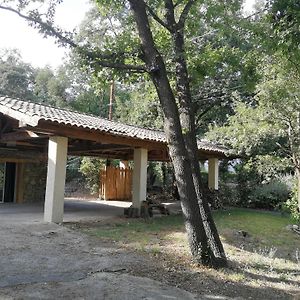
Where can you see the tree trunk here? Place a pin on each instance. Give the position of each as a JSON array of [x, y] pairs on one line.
[[188, 123], [198, 238], [298, 188]]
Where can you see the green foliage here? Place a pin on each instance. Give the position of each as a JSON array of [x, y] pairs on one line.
[[73, 165], [284, 17], [247, 132], [256, 183], [291, 205], [90, 168], [139, 105], [51, 88], [16, 77], [270, 195]]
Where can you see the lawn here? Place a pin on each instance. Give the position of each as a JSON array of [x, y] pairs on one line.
[[263, 230], [262, 252]]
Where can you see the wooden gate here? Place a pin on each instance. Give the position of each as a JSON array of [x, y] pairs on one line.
[[115, 183]]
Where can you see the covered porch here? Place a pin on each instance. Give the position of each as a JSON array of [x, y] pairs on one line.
[[32, 133]]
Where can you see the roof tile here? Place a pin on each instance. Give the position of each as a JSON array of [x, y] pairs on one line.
[[35, 112]]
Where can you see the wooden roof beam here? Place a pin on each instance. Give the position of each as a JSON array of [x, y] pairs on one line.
[[19, 135], [92, 135]]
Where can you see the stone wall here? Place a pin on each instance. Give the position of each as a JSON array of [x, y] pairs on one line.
[[35, 176]]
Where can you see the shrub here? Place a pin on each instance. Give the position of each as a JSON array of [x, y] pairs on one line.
[[291, 205], [229, 194], [90, 168], [73, 165], [270, 195]]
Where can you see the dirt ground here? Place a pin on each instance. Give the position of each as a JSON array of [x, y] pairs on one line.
[[48, 261], [249, 275]]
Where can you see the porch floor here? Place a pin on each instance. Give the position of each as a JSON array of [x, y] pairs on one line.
[[75, 210]]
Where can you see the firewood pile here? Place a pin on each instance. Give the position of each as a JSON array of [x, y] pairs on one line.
[[152, 206]]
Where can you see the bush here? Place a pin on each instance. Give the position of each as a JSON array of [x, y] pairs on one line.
[[270, 195], [73, 166], [229, 194], [90, 168], [291, 205]]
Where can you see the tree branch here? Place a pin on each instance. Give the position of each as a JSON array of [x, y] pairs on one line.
[[102, 60], [170, 15], [178, 3], [46, 28], [95, 58], [185, 13], [156, 17]]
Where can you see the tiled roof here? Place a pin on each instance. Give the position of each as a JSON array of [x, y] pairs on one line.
[[31, 113]]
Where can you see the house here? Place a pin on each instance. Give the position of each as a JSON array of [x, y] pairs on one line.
[[36, 139]]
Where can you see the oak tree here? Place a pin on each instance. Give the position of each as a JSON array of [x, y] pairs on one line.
[[134, 45]]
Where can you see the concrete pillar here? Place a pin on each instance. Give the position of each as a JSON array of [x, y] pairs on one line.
[[56, 176], [213, 173], [139, 178]]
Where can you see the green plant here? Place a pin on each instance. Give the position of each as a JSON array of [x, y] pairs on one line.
[[73, 165], [269, 195], [291, 205], [90, 168]]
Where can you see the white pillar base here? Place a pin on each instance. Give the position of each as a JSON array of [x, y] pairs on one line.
[[56, 176]]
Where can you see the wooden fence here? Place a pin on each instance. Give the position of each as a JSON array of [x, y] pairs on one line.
[[115, 183]]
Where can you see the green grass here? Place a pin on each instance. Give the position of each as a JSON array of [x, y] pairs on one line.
[[137, 230], [267, 230], [264, 258]]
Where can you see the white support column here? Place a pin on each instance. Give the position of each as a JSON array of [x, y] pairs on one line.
[[213, 173], [139, 178], [56, 176]]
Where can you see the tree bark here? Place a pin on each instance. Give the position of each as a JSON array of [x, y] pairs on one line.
[[200, 242], [189, 128], [298, 188]]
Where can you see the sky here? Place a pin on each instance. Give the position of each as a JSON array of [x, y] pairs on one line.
[[34, 49], [39, 51]]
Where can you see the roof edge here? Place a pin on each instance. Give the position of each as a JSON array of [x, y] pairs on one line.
[[10, 112]]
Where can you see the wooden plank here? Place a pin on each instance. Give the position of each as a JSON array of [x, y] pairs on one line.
[[20, 183], [19, 136], [115, 183]]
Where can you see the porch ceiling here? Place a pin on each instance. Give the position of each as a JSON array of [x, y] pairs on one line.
[[25, 128]]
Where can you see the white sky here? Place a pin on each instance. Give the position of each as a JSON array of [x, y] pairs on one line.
[[36, 50], [39, 51]]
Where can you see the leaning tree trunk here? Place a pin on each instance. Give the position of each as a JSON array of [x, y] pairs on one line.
[[198, 239], [298, 188], [188, 123]]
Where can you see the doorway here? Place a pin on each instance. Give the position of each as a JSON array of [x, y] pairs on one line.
[[7, 181]]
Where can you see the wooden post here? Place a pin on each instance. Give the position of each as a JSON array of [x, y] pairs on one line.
[[20, 183], [111, 99]]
